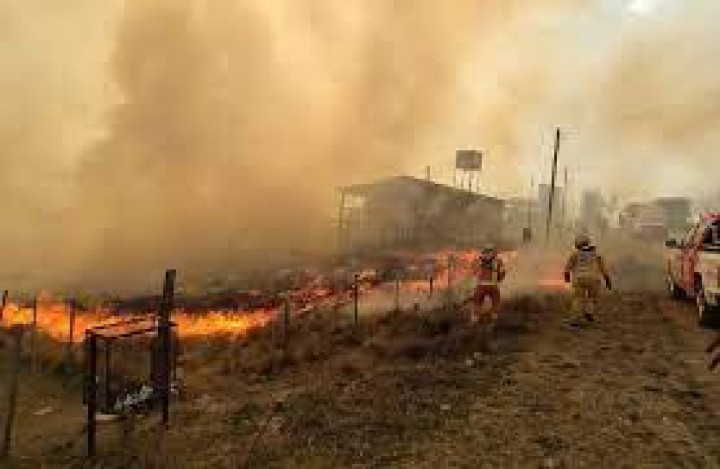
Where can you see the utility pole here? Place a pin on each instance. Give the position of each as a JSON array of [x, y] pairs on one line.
[[530, 202], [553, 182], [565, 198]]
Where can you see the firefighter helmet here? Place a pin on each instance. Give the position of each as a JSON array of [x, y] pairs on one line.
[[582, 240], [489, 249]]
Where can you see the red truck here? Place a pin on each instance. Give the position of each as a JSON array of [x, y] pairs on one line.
[[693, 267]]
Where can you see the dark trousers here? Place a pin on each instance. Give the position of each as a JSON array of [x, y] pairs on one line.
[[487, 291]]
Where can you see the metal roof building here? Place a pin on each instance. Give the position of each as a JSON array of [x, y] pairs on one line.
[[406, 212]]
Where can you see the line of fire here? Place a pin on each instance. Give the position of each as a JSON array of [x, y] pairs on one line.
[[419, 224]]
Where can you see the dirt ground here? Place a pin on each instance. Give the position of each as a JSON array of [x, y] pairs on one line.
[[631, 390]]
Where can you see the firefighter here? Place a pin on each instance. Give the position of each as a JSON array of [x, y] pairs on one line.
[[490, 272], [586, 269]]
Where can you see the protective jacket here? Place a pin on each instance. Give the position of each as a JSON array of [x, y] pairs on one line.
[[586, 263], [490, 271]]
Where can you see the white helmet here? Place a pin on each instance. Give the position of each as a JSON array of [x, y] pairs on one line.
[[489, 249], [582, 240]]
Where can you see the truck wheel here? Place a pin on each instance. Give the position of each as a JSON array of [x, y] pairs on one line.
[[707, 314], [675, 292]]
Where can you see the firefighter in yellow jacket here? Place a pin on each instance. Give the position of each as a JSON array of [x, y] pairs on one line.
[[586, 269]]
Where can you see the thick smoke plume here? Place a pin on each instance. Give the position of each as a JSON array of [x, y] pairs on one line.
[[212, 134], [237, 122]]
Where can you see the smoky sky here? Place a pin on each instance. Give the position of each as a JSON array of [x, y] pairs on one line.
[[209, 134]]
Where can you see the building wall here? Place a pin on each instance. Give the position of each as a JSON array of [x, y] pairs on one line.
[[396, 222]]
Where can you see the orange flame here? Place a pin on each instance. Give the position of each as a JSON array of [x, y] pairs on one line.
[[219, 323], [54, 320]]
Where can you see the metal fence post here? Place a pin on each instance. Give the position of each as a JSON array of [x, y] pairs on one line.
[[356, 294], [33, 336], [165, 346], [286, 319], [108, 374], [14, 380], [91, 392], [69, 350], [450, 268], [397, 291], [175, 350], [3, 303]]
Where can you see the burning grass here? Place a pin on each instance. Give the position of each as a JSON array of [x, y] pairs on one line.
[[329, 338], [343, 392], [335, 396], [328, 342]]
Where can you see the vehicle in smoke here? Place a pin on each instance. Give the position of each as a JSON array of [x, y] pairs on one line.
[[593, 213], [693, 267], [645, 221], [658, 219], [676, 211]]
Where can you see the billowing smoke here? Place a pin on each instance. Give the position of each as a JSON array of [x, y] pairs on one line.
[[210, 134], [656, 104], [237, 122], [52, 93]]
